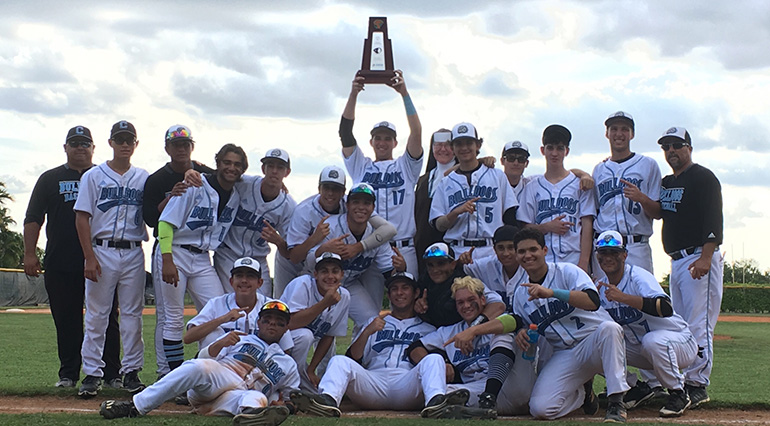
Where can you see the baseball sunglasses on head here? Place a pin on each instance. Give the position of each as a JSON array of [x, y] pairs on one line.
[[677, 146], [609, 242], [361, 189], [277, 305], [436, 252], [179, 132]]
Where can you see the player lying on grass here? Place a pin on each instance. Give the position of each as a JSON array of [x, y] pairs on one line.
[[239, 375], [469, 369], [656, 337], [376, 372], [319, 313]]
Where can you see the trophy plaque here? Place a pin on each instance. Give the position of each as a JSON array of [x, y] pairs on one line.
[[377, 62]]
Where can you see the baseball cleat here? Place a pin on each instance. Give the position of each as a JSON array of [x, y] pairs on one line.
[[112, 409], [463, 412], [678, 401], [488, 400], [591, 402], [322, 405], [264, 416], [132, 383], [616, 413], [65, 382], [437, 403], [637, 395], [90, 386], [114, 383], [697, 394]]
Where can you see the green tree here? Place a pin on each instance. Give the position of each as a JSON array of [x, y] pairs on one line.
[[745, 271], [11, 243]]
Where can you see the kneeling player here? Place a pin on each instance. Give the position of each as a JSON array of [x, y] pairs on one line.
[[320, 312], [657, 338], [220, 381]]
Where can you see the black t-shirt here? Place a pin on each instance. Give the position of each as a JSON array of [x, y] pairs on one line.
[[54, 196], [691, 205], [157, 187], [441, 307]]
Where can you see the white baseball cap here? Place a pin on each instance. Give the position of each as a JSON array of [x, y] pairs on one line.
[[622, 116], [246, 262], [464, 130], [676, 132], [278, 154], [384, 125], [610, 240], [520, 146], [332, 174], [328, 256], [439, 251]]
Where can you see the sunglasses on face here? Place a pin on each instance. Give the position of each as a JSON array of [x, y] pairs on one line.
[[124, 140], [83, 143], [677, 146], [517, 158]]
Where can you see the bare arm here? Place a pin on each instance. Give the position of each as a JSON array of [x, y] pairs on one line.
[[448, 220], [349, 113], [632, 192], [586, 241], [494, 310], [323, 346], [304, 317], [414, 143], [83, 225], [197, 332], [356, 350], [578, 299], [31, 236]]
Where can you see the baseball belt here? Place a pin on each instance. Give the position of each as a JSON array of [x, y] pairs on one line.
[[117, 244], [629, 238], [471, 243], [192, 249], [681, 254], [402, 243]]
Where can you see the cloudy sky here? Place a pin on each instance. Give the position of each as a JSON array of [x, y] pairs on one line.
[[266, 74]]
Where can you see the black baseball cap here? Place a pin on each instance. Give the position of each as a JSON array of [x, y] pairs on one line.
[[556, 134], [79, 132], [122, 126]]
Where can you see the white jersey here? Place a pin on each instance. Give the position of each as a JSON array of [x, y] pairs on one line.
[[387, 347], [519, 188], [306, 216], [251, 215], [380, 257], [114, 202], [194, 215], [271, 371], [562, 324], [472, 367], [490, 271], [394, 182], [639, 282], [302, 293], [495, 197], [543, 201], [616, 212], [218, 306]]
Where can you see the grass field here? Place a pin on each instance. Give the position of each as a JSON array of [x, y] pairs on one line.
[[29, 364]]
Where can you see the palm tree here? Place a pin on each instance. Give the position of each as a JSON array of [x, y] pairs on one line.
[[11, 242]]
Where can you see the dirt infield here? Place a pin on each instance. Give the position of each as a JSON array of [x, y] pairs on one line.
[[75, 405]]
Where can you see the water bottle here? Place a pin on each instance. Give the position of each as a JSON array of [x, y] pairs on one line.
[[532, 336]]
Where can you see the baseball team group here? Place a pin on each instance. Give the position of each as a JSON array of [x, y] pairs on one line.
[[506, 294]]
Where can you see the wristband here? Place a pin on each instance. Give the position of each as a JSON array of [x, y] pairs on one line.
[[481, 319], [409, 106], [509, 323], [561, 294]]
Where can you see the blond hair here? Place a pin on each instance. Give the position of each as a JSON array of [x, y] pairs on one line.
[[474, 285]]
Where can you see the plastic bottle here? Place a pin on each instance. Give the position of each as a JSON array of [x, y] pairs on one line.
[[532, 336]]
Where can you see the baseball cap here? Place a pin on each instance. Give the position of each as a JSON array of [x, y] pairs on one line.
[[79, 132], [362, 190], [516, 146], [610, 240], [278, 154], [675, 133], [504, 233], [464, 130], [276, 307], [439, 251], [401, 276], [328, 257], [556, 134], [178, 132], [332, 175], [383, 125], [122, 126], [246, 262], [620, 116]]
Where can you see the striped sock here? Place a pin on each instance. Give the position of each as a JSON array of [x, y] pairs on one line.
[[174, 350], [500, 364]]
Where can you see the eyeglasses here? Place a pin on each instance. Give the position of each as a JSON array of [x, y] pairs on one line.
[[76, 143], [276, 305], [124, 140], [436, 252], [609, 242], [677, 146], [517, 158]]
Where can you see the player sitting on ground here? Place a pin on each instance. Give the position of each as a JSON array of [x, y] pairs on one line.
[[563, 302], [233, 311], [319, 313], [376, 373], [219, 382], [467, 369], [656, 337]]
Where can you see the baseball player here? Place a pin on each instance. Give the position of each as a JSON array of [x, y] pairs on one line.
[[469, 369], [376, 372], [158, 190], [108, 218], [564, 304], [239, 375], [263, 217], [348, 229], [233, 311], [189, 226], [557, 195], [691, 207], [616, 211], [474, 200], [53, 197], [514, 159], [320, 312], [308, 226], [656, 337], [393, 180]]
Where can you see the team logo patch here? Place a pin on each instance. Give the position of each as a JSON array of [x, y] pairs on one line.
[[246, 262], [462, 129], [516, 144], [383, 124], [671, 130], [123, 125], [619, 114], [333, 174], [275, 153]]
